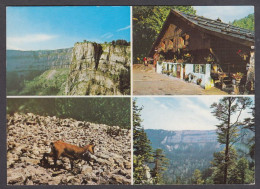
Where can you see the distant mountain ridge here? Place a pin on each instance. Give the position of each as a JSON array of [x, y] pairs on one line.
[[88, 68], [160, 138], [24, 61], [192, 136], [187, 150]]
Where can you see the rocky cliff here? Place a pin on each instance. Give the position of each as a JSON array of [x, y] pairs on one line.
[[21, 61], [29, 136], [99, 69]]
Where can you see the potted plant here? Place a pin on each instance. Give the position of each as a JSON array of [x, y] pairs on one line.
[[199, 81], [238, 76]]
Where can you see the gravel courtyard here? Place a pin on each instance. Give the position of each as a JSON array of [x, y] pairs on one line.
[[147, 82]]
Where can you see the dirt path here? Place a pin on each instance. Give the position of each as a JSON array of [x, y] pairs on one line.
[[147, 82], [51, 74]]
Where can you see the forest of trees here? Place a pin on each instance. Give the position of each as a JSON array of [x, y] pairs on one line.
[[149, 164], [232, 163], [247, 22], [110, 111], [229, 166], [147, 24]]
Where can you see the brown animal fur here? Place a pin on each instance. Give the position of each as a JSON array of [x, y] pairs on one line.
[[60, 148]]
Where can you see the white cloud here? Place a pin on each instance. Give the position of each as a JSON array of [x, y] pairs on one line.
[[18, 42], [125, 28], [30, 38], [209, 100], [107, 35], [225, 13], [12, 47], [180, 113]]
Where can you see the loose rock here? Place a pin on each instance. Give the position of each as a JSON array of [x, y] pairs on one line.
[[30, 135]]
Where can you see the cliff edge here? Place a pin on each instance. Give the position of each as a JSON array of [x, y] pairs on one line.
[[99, 69]]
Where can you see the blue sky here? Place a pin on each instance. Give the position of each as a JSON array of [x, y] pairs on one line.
[[34, 28], [180, 113], [225, 13]]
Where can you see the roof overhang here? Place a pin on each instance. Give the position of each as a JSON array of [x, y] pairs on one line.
[[176, 13]]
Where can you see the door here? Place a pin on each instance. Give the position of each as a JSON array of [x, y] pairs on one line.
[[183, 76], [178, 71]]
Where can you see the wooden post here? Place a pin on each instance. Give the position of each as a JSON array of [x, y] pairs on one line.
[[250, 82]]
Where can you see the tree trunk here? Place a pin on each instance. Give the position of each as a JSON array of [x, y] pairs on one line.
[[227, 143], [250, 82]]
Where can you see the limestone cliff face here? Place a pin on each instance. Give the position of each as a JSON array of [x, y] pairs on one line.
[[99, 69], [20, 61]]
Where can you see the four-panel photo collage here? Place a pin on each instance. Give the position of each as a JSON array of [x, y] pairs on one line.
[[131, 95]]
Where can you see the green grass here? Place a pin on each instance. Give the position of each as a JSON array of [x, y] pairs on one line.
[[51, 82]]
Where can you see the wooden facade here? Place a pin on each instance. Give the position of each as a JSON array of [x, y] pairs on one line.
[[197, 40]]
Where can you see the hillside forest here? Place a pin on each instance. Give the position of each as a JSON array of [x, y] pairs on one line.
[[227, 155], [109, 111]]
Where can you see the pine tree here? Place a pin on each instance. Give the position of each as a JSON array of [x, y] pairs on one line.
[[142, 148], [196, 177], [250, 125], [241, 173], [219, 166], [242, 168], [141, 142], [228, 112], [160, 165]]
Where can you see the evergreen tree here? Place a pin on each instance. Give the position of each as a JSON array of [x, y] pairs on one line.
[[160, 165], [141, 142], [178, 180], [139, 174], [196, 177], [219, 166], [110, 111], [250, 125], [242, 174], [228, 112], [142, 148], [242, 169]]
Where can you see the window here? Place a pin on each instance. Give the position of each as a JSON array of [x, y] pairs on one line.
[[199, 68], [202, 69]]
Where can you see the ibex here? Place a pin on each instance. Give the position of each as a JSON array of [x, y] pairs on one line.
[[60, 148]]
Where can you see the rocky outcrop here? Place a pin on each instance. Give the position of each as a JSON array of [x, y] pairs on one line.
[[99, 69], [29, 136], [22, 61]]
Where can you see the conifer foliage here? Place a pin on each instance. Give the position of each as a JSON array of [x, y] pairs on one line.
[[160, 165], [143, 156], [228, 111], [141, 145]]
